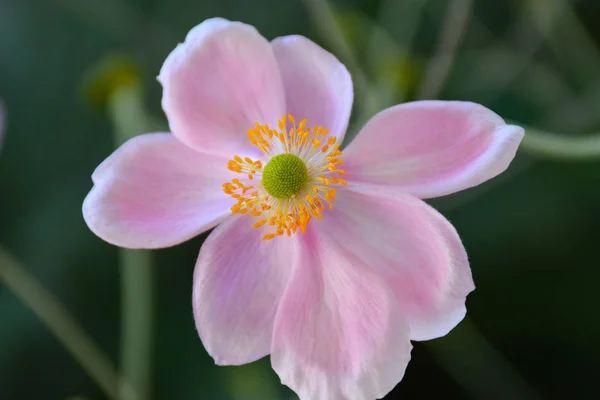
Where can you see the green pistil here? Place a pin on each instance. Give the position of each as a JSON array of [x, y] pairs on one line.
[[284, 176]]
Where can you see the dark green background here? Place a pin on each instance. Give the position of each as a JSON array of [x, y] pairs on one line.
[[532, 234]]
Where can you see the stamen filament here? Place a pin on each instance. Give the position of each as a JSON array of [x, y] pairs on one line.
[[290, 212]]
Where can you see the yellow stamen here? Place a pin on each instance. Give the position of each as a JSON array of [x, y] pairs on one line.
[[293, 202]]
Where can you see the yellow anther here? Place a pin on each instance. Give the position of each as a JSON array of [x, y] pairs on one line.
[[286, 215], [334, 160], [330, 194], [268, 236], [302, 124], [260, 223]]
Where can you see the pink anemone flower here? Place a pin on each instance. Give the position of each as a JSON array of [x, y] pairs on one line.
[[331, 263]]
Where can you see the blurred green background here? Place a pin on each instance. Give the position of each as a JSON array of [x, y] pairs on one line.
[[532, 234]]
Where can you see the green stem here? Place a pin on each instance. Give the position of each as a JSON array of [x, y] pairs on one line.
[[136, 324], [129, 119], [571, 42], [381, 42], [451, 34], [579, 47], [529, 47], [561, 146], [57, 319]]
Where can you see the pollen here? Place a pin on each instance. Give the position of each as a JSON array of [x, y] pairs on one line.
[[294, 182]]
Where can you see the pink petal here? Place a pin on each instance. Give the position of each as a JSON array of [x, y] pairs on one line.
[[339, 333], [155, 192], [218, 83], [238, 283], [432, 148], [317, 86], [412, 247]]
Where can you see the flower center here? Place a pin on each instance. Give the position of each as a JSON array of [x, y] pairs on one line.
[[299, 179], [284, 176]]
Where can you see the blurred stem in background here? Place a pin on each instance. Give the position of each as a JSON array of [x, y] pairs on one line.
[[571, 42], [115, 85], [136, 324], [440, 65], [250, 382], [126, 110], [53, 314], [382, 49], [561, 146]]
